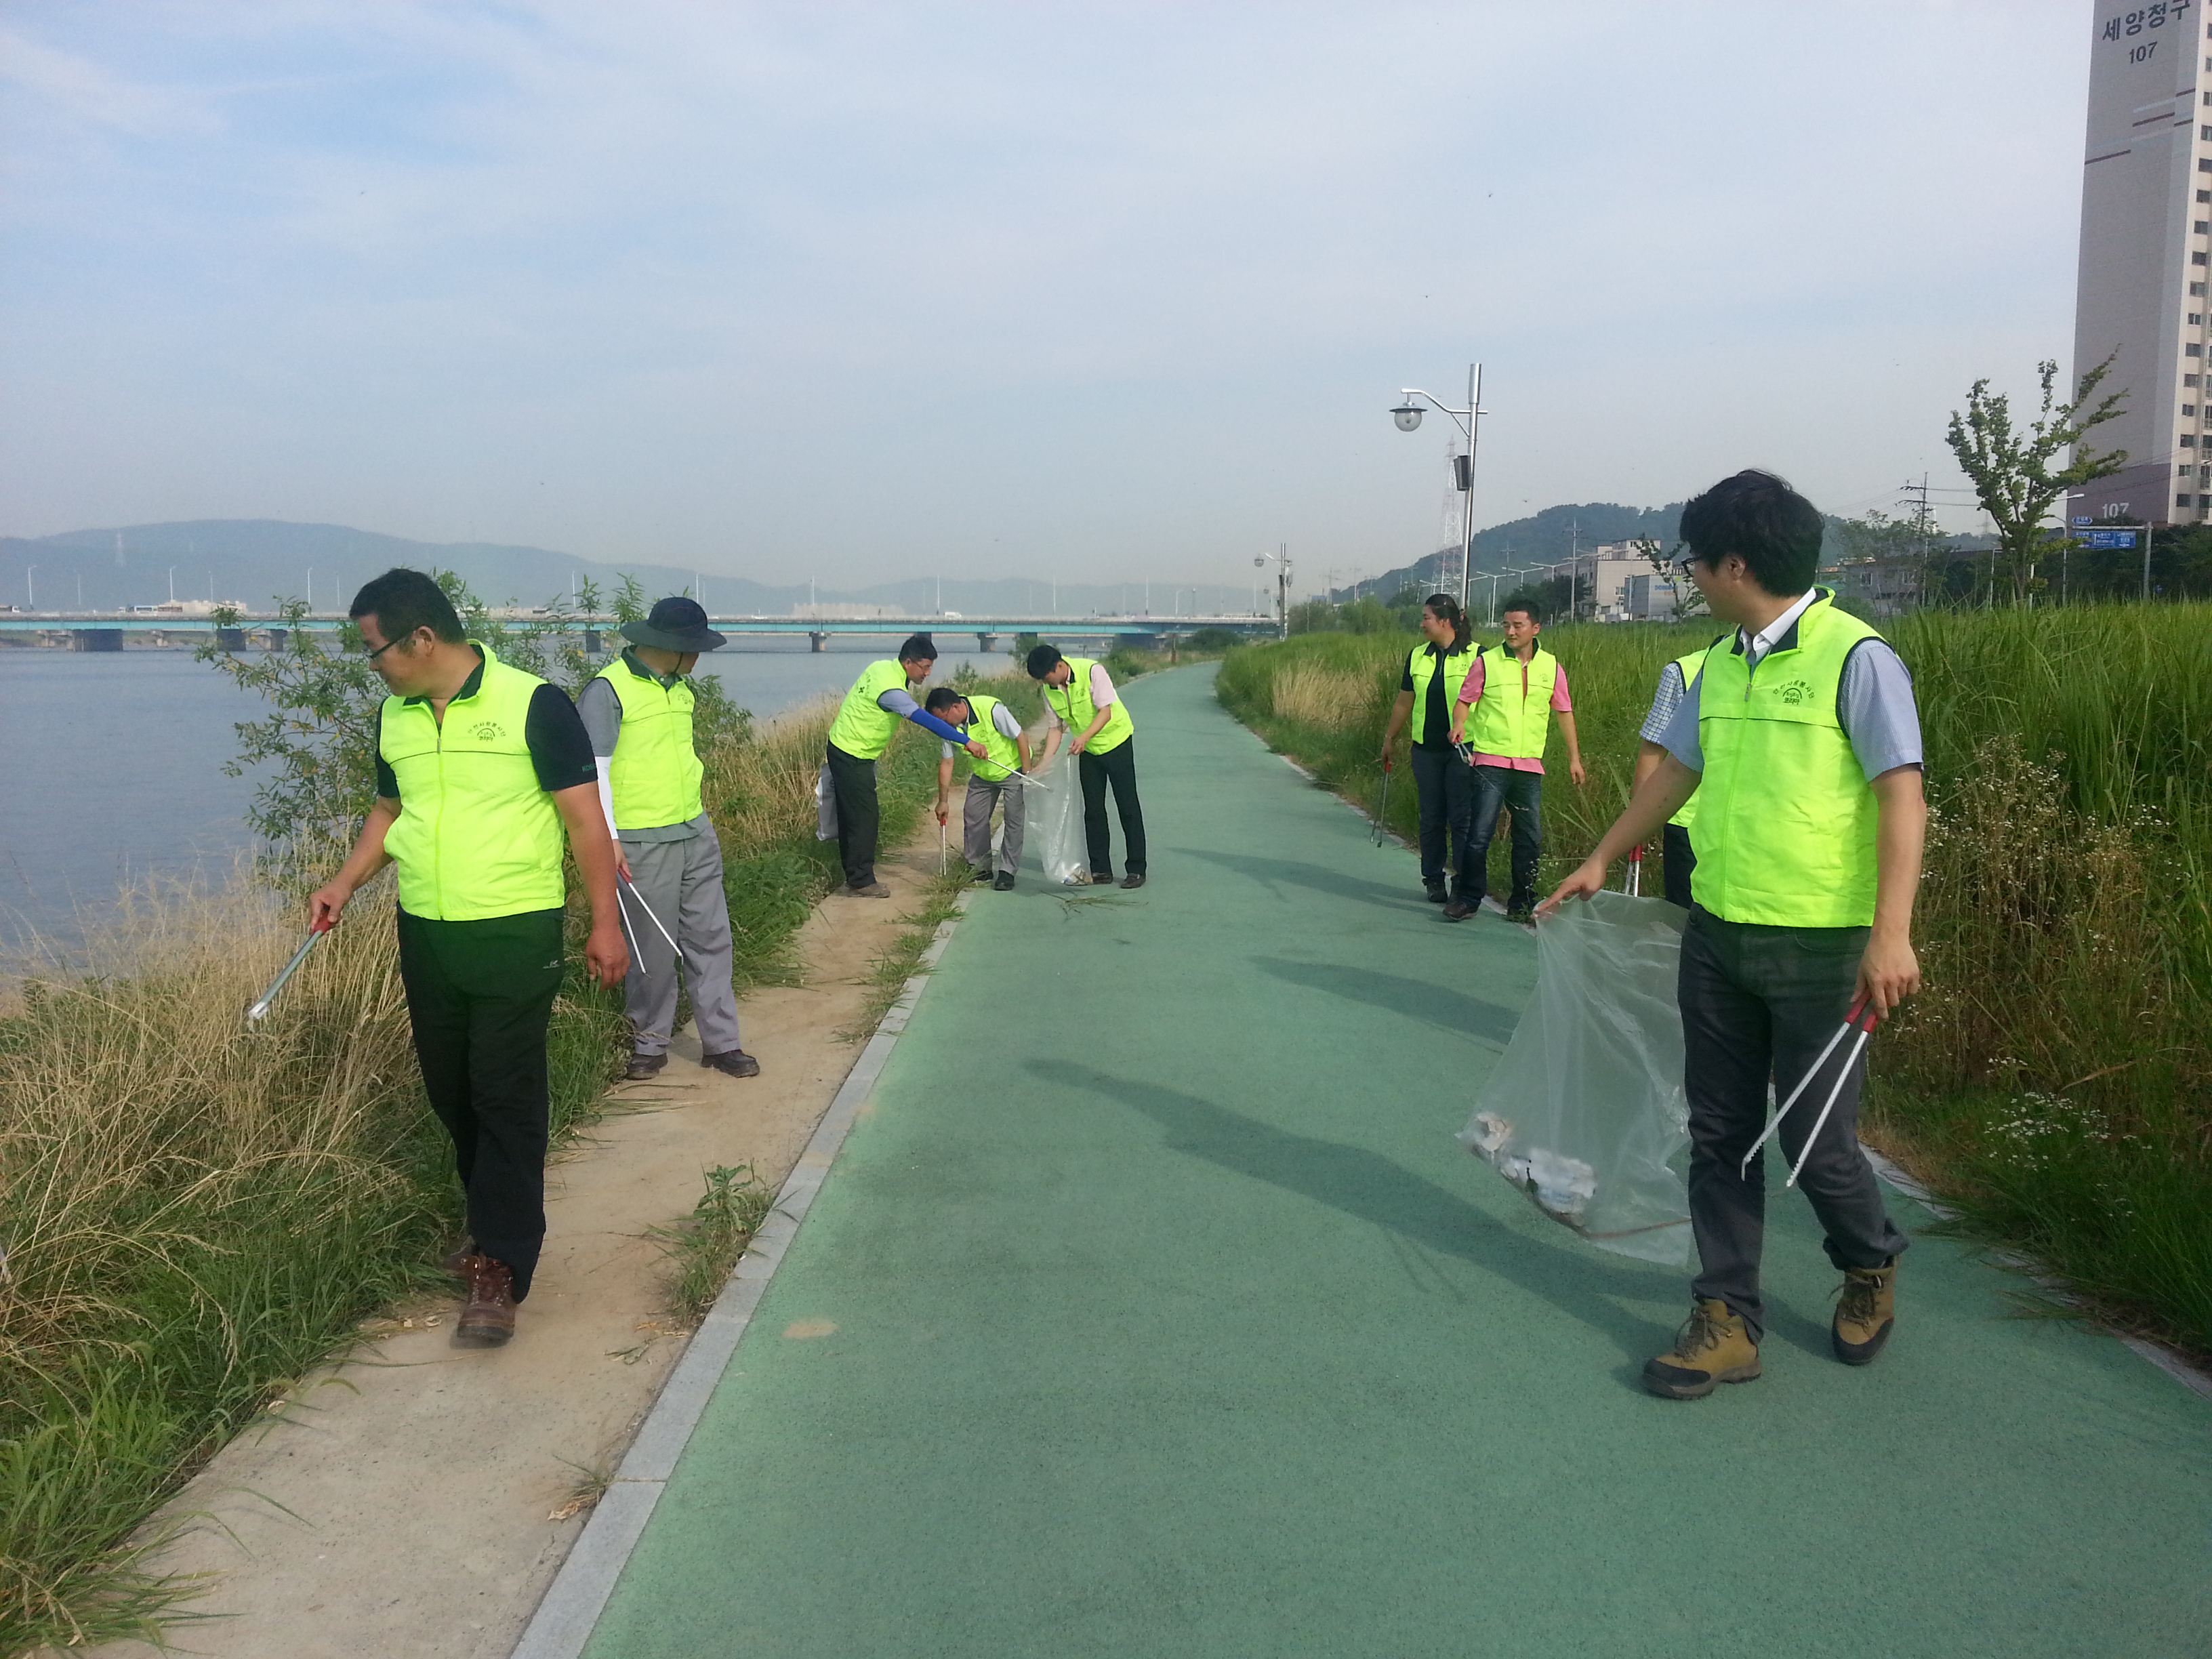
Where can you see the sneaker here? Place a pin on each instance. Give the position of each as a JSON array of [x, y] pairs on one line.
[[1458, 911], [734, 1061], [1438, 894], [488, 1318], [873, 890], [1004, 884], [1713, 1346], [1866, 1314], [642, 1067], [1133, 879]]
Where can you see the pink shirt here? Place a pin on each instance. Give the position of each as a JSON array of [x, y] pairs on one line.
[[1102, 693], [1561, 704]]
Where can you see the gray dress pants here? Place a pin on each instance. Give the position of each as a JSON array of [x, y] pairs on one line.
[[681, 881], [984, 793]]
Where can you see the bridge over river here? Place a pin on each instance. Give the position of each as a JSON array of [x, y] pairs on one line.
[[103, 631]]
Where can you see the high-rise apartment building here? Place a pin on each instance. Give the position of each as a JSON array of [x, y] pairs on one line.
[[2146, 235]]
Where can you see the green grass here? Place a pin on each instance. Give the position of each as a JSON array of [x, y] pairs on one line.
[[2054, 1082], [702, 1251]]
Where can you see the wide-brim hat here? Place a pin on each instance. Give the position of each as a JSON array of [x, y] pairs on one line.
[[677, 624]]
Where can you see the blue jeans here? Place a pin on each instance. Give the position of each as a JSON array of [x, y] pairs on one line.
[[1501, 788], [1443, 785]]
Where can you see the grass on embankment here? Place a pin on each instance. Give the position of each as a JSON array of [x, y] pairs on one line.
[[194, 1215], [2052, 1082]]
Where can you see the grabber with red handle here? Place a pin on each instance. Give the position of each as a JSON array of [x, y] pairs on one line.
[[260, 1009], [1635, 877], [1860, 1018]]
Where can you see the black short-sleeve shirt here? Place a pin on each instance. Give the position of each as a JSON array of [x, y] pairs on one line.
[[559, 749]]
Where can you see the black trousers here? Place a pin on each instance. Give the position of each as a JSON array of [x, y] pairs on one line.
[[1760, 1003], [479, 997], [1674, 847], [1443, 784], [1117, 766], [1501, 788], [853, 780]]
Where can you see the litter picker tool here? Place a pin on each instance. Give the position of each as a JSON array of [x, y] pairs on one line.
[[647, 909], [940, 846], [260, 1008], [1635, 877], [1012, 774], [1860, 1018], [1382, 812]]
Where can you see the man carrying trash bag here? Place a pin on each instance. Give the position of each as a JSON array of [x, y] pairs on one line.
[[479, 767], [997, 779], [1802, 741], [638, 713], [1082, 705], [879, 700]]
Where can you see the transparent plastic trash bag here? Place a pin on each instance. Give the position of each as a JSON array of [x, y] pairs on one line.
[[1583, 1112], [1053, 817]]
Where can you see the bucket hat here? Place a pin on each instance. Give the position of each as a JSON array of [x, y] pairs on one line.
[[677, 624]]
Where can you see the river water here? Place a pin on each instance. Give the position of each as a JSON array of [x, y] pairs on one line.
[[110, 767]]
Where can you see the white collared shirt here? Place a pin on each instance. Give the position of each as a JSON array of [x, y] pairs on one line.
[[1756, 646]]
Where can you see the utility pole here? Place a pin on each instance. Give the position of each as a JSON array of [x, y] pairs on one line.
[[1923, 526]]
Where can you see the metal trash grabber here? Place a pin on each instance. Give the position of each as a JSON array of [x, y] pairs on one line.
[[1634, 880], [1382, 813], [1013, 773], [1864, 1019], [260, 1009], [624, 881], [941, 848]]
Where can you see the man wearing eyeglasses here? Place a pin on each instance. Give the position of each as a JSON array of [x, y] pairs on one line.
[[479, 768]]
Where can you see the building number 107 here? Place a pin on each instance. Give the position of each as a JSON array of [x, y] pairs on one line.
[[2141, 54]]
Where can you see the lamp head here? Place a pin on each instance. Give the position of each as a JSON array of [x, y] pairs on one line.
[[1408, 415], [1261, 561]]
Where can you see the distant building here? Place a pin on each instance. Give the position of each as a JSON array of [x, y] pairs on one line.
[[2146, 234], [1624, 587]]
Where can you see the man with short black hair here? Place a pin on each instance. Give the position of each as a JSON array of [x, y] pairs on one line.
[[1504, 715], [1080, 702], [879, 700], [998, 778], [638, 711], [1802, 741], [478, 768]]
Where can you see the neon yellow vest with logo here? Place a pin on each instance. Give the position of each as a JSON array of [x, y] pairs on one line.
[[655, 777], [1506, 720], [980, 729], [476, 836], [1786, 819], [863, 730], [1071, 702], [1421, 666], [1689, 666]]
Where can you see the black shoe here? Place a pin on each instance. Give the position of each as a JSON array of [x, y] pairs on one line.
[[1438, 894], [642, 1067], [983, 874], [736, 1061], [1133, 879], [1524, 914], [1458, 911], [1004, 884]]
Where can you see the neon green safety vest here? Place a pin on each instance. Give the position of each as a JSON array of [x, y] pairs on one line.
[[476, 836], [863, 730], [1071, 702], [1507, 720], [1785, 820], [655, 778], [1421, 665], [1689, 666], [980, 729]]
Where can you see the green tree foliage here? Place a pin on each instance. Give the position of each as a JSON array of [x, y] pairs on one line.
[[2012, 471]]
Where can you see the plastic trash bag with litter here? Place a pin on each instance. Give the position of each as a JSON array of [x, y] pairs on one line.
[[1052, 815], [1583, 1112]]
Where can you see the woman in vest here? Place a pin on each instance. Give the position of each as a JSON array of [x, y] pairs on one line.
[[638, 713], [1080, 700], [1802, 744], [865, 722], [1428, 691], [479, 768], [995, 779]]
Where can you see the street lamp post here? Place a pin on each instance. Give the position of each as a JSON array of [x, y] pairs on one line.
[[1281, 559], [1469, 421]]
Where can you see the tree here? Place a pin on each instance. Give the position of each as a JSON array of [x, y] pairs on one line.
[[1665, 566], [2011, 471]]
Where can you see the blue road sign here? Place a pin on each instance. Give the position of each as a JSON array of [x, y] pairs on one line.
[[2107, 538]]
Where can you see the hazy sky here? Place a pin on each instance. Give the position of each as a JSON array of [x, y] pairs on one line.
[[1047, 289]]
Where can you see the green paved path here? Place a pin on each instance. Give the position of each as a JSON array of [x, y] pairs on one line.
[[1170, 1320]]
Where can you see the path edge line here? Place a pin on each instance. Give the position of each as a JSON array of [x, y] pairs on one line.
[[568, 1612]]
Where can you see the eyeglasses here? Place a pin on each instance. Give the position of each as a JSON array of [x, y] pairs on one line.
[[386, 647]]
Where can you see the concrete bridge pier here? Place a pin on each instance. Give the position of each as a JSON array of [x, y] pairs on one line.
[[230, 639], [1140, 642], [818, 643], [590, 641], [986, 642], [275, 638], [96, 638]]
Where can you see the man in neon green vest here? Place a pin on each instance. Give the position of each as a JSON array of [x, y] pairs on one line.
[[478, 768], [1678, 860], [1505, 714], [1081, 702], [638, 713], [879, 700], [1802, 741], [1000, 777]]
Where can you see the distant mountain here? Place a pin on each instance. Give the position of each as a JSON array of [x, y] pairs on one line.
[[1539, 538]]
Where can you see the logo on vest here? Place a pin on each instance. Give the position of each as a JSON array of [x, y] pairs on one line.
[[486, 731], [1794, 692]]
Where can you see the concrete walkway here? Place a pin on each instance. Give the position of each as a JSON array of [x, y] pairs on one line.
[[1153, 1311]]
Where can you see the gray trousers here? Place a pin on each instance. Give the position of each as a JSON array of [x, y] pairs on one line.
[[984, 793], [682, 880], [1760, 1003]]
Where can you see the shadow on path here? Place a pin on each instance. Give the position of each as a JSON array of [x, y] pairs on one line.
[[1271, 873], [1438, 1005], [1385, 1194]]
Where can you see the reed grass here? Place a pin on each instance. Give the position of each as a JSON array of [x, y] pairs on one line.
[[2054, 1081]]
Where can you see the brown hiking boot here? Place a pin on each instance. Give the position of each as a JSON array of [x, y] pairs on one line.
[[873, 890], [1865, 1315], [453, 1261], [1712, 1347], [487, 1320]]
